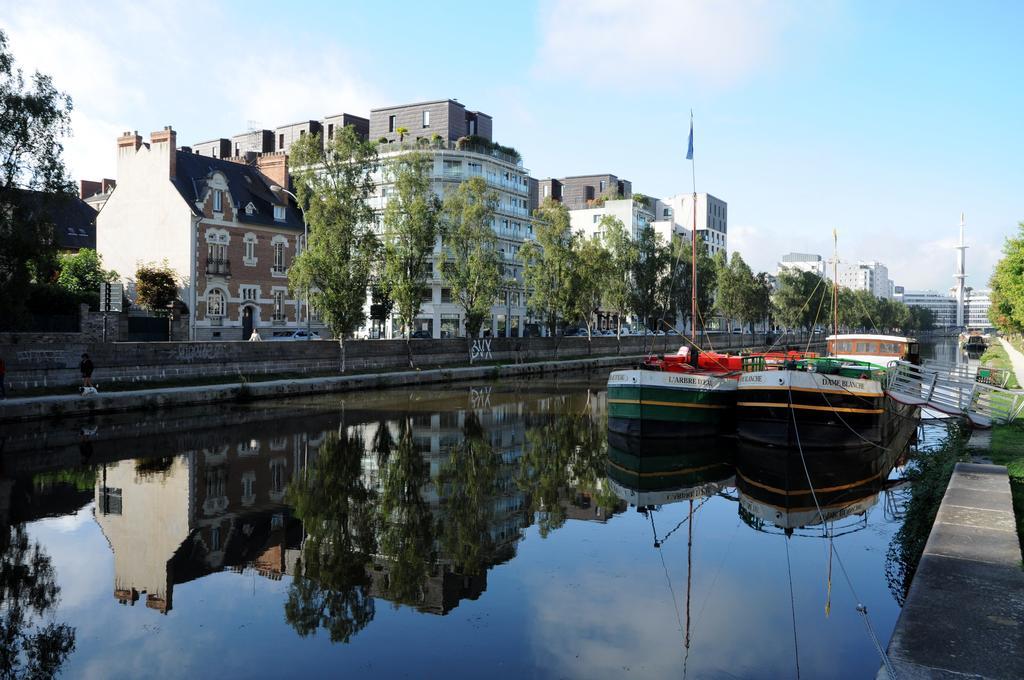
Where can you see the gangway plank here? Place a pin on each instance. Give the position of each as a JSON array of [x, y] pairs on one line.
[[954, 393]]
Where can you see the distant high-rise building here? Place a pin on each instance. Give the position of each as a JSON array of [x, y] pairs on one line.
[[806, 262]]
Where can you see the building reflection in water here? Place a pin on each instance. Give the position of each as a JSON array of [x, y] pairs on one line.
[[410, 502]]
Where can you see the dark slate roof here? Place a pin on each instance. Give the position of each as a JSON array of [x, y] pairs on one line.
[[73, 220], [246, 184]]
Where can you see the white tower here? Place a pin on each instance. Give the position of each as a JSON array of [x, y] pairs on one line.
[[961, 275]]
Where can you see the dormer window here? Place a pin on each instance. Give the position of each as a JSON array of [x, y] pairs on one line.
[[279, 213], [218, 200]]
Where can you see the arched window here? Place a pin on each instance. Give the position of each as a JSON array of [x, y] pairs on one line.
[[215, 303]]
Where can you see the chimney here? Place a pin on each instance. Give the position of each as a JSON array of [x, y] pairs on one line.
[[275, 167], [129, 140], [87, 188], [169, 138]]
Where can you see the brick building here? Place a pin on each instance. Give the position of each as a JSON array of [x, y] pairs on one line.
[[217, 224]]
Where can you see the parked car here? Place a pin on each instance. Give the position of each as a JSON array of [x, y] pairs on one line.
[[297, 334], [574, 332], [531, 330], [421, 335]]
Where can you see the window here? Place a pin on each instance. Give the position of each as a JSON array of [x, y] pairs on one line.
[[215, 303], [279, 213], [280, 142], [865, 347], [302, 133], [278, 305], [597, 218], [472, 127], [891, 348], [215, 539], [110, 501], [278, 267], [330, 131], [250, 250], [218, 200], [391, 123], [601, 184], [426, 119], [446, 295], [547, 191], [250, 293]]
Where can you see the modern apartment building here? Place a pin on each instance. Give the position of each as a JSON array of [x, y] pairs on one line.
[[459, 144], [217, 224], [942, 305], [634, 215], [805, 262], [978, 303], [870, 276], [581, 191], [712, 218]]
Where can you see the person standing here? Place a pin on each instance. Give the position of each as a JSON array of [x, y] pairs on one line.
[[85, 366]]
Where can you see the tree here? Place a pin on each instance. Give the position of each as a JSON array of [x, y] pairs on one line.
[[82, 273], [156, 286], [739, 295], [622, 254], [547, 263], [762, 297], [402, 132], [470, 261], [1007, 282], [334, 185], [679, 285], [648, 276], [800, 298], [589, 271], [410, 233], [33, 119]]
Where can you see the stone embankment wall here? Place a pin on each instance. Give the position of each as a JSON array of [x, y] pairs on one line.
[[33, 365]]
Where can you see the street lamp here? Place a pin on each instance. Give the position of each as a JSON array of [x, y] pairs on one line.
[[305, 244]]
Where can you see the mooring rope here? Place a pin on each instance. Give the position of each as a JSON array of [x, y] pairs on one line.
[[861, 608]]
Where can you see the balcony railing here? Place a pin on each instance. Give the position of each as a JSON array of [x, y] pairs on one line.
[[278, 319], [218, 267], [278, 270], [429, 145]]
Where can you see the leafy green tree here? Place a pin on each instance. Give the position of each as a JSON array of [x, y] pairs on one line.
[[332, 589], [762, 297], [33, 119], [921, 318], [679, 285], [547, 264], [82, 273], [738, 291], [31, 644], [588, 275], [334, 185], [470, 261], [156, 286], [802, 297], [648, 276], [411, 227], [1007, 282], [622, 253]]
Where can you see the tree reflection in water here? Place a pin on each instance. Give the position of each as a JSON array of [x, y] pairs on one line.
[[405, 523], [468, 485], [28, 590], [565, 459], [331, 588]]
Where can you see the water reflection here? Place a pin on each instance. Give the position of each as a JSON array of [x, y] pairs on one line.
[[392, 504]]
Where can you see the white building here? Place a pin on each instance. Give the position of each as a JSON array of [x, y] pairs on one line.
[[440, 315], [635, 217], [712, 218], [805, 262], [942, 305], [870, 276], [978, 303]]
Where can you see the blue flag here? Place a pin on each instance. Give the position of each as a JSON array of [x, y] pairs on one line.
[[689, 150]]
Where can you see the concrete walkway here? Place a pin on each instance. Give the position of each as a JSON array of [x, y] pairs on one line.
[[59, 406], [964, 614], [1016, 360]]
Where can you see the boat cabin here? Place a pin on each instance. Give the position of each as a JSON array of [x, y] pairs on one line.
[[874, 349]]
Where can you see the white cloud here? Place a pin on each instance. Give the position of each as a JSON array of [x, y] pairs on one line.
[[643, 43]]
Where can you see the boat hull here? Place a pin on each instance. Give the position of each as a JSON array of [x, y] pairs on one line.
[[788, 408], [664, 404]]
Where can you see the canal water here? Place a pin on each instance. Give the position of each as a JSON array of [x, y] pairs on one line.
[[487, 529]]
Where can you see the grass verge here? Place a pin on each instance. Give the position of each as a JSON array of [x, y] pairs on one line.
[[1008, 449], [997, 357]]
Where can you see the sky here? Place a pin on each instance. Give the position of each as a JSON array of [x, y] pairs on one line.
[[883, 121]]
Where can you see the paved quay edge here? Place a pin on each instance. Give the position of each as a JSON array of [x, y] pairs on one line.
[[34, 408], [964, 614]]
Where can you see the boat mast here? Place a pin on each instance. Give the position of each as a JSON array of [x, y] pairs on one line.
[[693, 243], [835, 283]]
